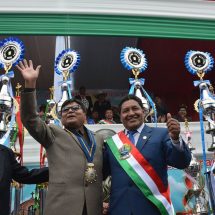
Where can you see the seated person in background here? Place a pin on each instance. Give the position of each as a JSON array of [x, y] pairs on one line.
[[86, 100], [11, 169], [101, 105], [94, 119], [160, 107], [108, 117], [182, 114]]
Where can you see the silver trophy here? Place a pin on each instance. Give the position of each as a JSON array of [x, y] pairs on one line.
[[11, 52], [65, 96], [197, 192], [194, 170], [66, 63], [208, 100], [208, 106], [199, 63], [51, 112], [138, 92], [6, 103]]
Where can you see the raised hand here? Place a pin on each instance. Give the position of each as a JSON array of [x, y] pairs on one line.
[[173, 127], [29, 73]]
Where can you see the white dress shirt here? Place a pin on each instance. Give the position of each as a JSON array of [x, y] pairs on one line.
[[176, 143]]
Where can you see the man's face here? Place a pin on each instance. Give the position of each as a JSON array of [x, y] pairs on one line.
[[73, 116], [132, 115], [109, 114]]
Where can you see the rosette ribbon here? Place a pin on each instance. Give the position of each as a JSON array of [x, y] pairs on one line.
[[11, 44], [10, 74], [196, 83], [132, 82], [132, 58], [204, 67], [72, 67]]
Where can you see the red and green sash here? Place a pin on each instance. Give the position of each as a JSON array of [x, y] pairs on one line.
[[142, 173]]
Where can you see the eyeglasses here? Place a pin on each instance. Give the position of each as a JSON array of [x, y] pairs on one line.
[[72, 108]]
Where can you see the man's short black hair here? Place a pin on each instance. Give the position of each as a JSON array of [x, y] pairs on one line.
[[130, 97], [76, 101]]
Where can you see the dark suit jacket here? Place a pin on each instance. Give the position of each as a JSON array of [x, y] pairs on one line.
[[11, 169], [157, 148]]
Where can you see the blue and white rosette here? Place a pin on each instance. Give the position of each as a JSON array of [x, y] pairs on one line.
[[196, 61], [67, 61], [132, 58], [11, 52]]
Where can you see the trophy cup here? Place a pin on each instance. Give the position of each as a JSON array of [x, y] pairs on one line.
[[67, 62], [194, 170], [197, 192], [134, 59], [211, 122], [50, 114], [11, 51], [6, 103], [199, 63], [65, 96]]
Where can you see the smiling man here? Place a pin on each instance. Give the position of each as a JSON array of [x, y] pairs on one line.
[[74, 153], [138, 159]]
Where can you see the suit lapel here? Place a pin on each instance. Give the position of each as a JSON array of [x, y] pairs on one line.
[[144, 137]]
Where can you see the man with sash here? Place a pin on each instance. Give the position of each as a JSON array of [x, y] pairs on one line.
[[74, 153], [138, 159]]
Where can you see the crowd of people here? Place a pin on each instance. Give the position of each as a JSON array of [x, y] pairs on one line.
[[102, 112], [79, 159]]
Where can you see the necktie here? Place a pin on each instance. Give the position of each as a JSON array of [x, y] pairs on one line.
[[131, 135]]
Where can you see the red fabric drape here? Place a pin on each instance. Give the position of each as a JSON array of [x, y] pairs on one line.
[[20, 130], [167, 76]]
